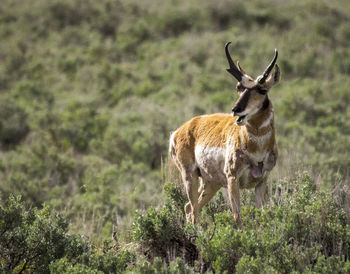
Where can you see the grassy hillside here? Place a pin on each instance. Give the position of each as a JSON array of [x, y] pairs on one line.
[[90, 91]]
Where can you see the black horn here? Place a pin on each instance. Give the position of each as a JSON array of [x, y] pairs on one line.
[[267, 71], [233, 69]]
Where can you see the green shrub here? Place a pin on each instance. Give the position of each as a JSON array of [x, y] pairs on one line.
[[304, 230], [30, 240], [290, 236], [37, 241], [161, 233]]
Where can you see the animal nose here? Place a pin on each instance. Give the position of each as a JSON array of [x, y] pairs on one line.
[[236, 110]]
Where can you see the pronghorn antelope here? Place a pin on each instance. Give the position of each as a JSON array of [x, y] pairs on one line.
[[234, 151]]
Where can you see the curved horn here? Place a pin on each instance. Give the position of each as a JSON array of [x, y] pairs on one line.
[[233, 69], [267, 71]]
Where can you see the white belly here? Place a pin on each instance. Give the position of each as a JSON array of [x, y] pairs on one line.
[[211, 163]]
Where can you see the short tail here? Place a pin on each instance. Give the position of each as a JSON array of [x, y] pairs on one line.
[[172, 170], [172, 153]]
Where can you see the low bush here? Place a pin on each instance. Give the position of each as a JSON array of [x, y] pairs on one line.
[[37, 241], [303, 230], [164, 233]]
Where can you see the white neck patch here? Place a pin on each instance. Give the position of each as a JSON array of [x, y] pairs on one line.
[[268, 120]]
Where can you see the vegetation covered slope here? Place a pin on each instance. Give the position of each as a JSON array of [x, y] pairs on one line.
[[90, 91]]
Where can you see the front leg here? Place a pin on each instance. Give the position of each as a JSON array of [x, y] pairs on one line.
[[235, 164], [271, 159], [260, 191], [233, 192]]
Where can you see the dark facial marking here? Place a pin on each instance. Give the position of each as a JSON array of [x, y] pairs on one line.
[[242, 101], [240, 87], [261, 91], [266, 103]]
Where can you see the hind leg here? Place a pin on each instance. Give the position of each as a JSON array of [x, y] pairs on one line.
[[188, 207], [207, 193], [190, 180]]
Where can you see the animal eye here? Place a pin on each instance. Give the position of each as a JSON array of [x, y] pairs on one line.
[[240, 88], [262, 91]]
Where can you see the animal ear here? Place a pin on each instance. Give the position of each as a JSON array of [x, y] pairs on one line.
[[240, 68], [247, 81], [274, 77]]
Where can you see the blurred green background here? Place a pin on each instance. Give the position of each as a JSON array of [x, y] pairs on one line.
[[91, 90]]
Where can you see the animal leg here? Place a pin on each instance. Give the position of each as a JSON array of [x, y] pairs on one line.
[[235, 164], [190, 180], [260, 191], [188, 206], [207, 194], [233, 193], [270, 160]]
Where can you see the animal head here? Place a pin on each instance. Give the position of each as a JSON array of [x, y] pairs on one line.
[[252, 93]]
